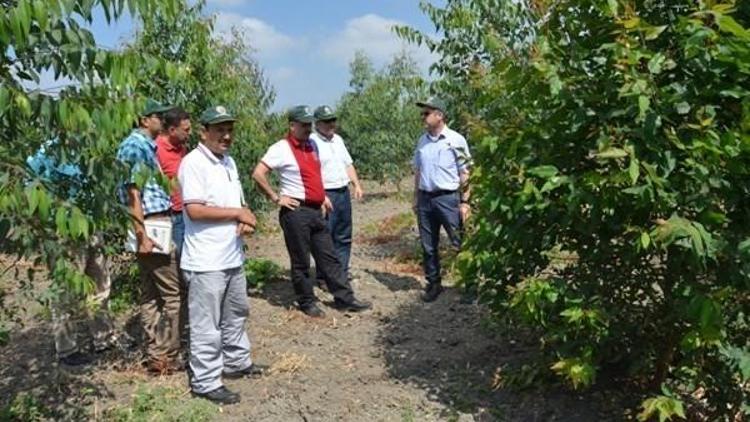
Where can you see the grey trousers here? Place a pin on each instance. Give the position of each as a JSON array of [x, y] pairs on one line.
[[217, 310]]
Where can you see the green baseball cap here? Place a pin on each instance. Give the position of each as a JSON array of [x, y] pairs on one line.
[[434, 103], [300, 113], [215, 115], [154, 107], [324, 112]]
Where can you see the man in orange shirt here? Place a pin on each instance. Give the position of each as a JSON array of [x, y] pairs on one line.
[[171, 147]]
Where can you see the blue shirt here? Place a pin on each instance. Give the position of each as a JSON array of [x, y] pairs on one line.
[[67, 177], [138, 151], [440, 160]]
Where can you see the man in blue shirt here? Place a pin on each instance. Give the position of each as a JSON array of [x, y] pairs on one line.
[[441, 189], [67, 180], [161, 291]]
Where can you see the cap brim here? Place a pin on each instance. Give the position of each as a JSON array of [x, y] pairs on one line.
[[218, 120], [157, 110], [164, 109], [305, 120], [328, 117]]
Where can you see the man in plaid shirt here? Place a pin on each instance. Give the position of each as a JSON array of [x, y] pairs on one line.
[[161, 294]]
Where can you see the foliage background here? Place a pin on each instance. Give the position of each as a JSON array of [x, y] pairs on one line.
[[611, 144], [378, 118]]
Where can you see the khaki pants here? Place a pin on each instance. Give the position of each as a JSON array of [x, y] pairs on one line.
[[161, 298], [68, 312]]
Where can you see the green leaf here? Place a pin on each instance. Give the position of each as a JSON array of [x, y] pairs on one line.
[[634, 171], [682, 107], [644, 103], [653, 32], [61, 221], [32, 196], [544, 172], [611, 153], [645, 240], [728, 24], [664, 407]]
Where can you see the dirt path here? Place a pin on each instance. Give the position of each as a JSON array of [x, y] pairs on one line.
[[403, 361]]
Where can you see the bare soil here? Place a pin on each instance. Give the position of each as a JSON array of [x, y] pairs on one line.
[[403, 361]]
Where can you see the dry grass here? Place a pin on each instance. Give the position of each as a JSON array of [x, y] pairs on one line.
[[389, 229], [289, 363]]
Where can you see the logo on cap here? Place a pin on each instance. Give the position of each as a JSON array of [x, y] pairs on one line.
[[221, 110], [307, 110]]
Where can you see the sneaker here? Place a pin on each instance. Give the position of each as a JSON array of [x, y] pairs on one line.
[[76, 359], [353, 306], [312, 310], [252, 371], [220, 396], [432, 292]]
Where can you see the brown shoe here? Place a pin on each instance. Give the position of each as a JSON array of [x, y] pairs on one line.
[[161, 366]]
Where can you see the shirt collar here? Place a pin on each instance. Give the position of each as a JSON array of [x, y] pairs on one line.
[[442, 135], [163, 142], [296, 142], [143, 136], [211, 156], [324, 138]]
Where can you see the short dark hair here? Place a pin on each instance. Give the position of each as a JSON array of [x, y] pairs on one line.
[[174, 117]]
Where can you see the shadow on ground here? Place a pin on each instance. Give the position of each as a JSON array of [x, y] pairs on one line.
[[51, 391], [395, 282], [443, 348]]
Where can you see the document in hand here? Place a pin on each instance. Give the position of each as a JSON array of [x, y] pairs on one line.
[[160, 231]]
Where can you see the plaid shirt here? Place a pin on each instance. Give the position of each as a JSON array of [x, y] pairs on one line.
[[138, 150]]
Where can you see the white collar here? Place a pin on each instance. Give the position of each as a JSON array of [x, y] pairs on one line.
[[211, 156]]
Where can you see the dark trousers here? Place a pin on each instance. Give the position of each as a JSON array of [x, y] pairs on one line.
[[340, 224], [305, 232], [435, 211]]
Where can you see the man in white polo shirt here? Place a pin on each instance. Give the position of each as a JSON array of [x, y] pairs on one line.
[[338, 171], [215, 219], [301, 200]]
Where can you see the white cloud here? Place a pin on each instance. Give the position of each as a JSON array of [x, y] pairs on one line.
[[281, 74], [374, 35], [262, 37]]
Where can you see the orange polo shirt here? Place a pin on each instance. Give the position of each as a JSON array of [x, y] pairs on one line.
[[170, 156]]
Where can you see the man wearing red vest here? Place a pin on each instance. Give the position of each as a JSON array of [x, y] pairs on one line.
[[301, 201]]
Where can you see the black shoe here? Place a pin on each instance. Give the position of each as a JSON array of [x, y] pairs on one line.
[[432, 292], [221, 396], [353, 306], [252, 371], [312, 310], [76, 359]]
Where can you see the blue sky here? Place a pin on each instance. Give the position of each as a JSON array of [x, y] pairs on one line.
[[304, 46]]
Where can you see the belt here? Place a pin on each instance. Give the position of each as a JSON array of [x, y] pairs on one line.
[[308, 204], [167, 213], [439, 192], [341, 189]]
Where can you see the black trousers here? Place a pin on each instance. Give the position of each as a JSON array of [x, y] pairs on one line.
[[306, 232]]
